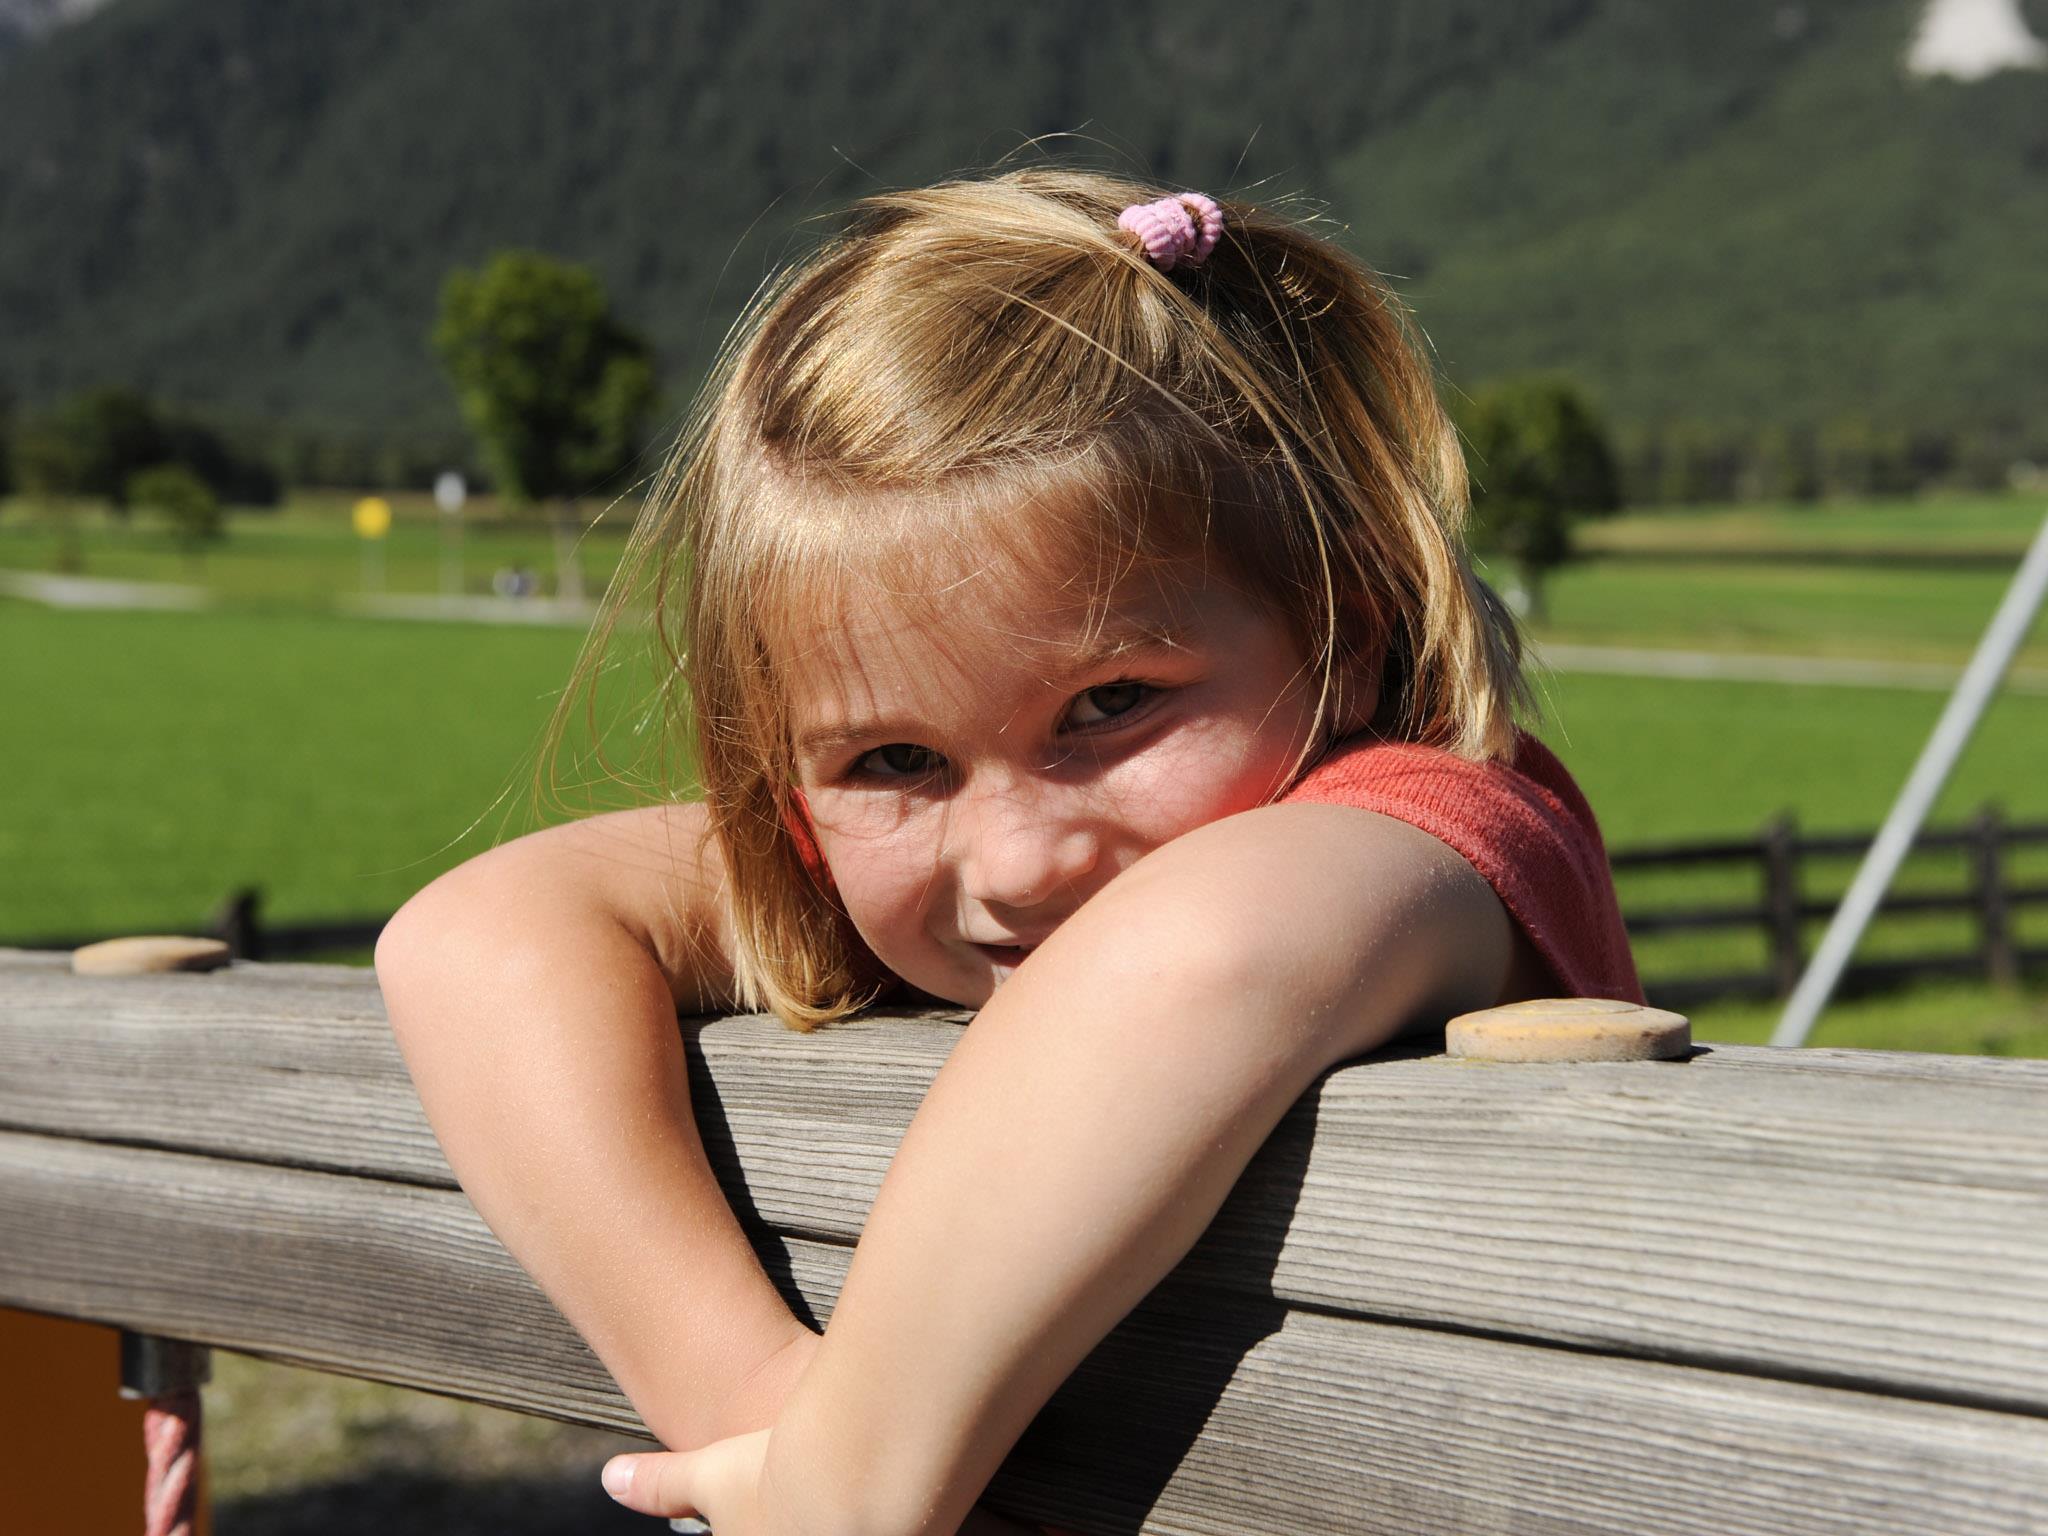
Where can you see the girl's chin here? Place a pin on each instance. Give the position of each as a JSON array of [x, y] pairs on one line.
[[973, 975], [1000, 962]]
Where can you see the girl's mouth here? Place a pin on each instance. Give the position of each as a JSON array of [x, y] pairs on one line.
[[1006, 954]]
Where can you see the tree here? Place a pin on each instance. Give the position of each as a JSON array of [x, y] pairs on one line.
[[1701, 464], [233, 475], [93, 445], [1539, 460], [47, 468], [113, 434], [556, 390], [182, 499], [1783, 466]]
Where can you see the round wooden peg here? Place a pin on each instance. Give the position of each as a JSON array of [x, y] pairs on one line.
[[148, 953], [1569, 1029]]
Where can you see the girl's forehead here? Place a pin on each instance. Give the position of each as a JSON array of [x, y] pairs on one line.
[[976, 630], [1035, 578], [965, 561]]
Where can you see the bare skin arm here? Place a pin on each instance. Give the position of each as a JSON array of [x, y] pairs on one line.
[[533, 992], [1161, 1033]]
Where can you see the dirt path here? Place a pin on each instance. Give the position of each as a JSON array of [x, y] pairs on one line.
[[1766, 667]]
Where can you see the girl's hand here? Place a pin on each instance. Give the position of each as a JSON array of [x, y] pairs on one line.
[[719, 1484], [722, 1485]]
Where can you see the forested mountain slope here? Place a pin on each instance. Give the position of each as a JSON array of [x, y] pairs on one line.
[[1720, 211]]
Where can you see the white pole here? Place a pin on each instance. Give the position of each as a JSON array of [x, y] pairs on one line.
[[1951, 734]]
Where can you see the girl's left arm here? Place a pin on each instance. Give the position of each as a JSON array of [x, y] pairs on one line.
[[1089, 1125]]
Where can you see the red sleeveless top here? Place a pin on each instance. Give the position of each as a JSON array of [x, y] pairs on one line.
[[1522, 824]]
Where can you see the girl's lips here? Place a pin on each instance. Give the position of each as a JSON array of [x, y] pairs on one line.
[[1006, 954]]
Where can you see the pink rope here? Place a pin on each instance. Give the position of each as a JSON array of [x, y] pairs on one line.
[[170, 1439]]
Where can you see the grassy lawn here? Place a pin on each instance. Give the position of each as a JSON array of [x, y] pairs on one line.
[[337, 764], [1967, 1018], [1949, 524], [1664, 762], [1883, 613], [305, 554], [340, 762], [300, 1453]]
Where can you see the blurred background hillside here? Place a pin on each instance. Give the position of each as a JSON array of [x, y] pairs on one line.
[[1786, 259], [1736, 225]]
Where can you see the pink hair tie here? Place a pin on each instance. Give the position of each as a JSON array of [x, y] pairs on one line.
[[1177, 230]]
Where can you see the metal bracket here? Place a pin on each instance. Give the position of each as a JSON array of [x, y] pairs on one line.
[[154, 1366]]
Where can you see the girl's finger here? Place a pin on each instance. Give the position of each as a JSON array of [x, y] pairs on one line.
[[654, 1483]]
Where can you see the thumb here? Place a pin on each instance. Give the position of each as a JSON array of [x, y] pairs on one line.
[[654, 1482]]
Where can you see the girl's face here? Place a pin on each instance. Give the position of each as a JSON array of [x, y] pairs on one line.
[[976, 773]]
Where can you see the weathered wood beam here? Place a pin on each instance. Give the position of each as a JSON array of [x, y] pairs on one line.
[[1861, 1218], [1202, 1413]]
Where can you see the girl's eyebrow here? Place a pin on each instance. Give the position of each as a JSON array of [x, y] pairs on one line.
[[826, 741], [1117, 639], [1093, 651]]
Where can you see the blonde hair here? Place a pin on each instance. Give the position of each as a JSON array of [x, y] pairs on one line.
[[999, 342]]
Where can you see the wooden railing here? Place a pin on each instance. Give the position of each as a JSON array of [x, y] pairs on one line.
[[1989, 892], [1753, 1291]]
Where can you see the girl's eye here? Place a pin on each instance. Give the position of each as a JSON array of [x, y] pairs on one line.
[[1106, 703], [901, 760]]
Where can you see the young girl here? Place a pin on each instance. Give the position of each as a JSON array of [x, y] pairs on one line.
[[1076, 626]]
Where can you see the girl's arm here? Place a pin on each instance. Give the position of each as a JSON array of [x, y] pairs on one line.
[[533, 992], [1090, 1124]]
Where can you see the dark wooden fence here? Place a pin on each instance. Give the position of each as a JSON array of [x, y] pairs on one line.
[[239, 920], [1990, 890]]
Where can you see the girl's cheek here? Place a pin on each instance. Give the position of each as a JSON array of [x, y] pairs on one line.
[[1203, 774], [858, 810], [878, 858]]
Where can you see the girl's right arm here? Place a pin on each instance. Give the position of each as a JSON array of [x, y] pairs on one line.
[[533, 992]]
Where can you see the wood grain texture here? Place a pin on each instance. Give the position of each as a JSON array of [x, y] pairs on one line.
[[1860, 1218], [1202, 1414]]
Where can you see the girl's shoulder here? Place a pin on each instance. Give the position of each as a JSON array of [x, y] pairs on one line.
[[1521, 822], [1529, 788]]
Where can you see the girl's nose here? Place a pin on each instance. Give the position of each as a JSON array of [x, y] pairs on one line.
[[1014, 847]]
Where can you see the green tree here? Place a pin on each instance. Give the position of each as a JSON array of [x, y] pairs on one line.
[[555, 388], [1783, 466], [182, 499], [46, 460], [1701, 464], [113, 433], [1858, 459], [1539, 459], [47, 468]]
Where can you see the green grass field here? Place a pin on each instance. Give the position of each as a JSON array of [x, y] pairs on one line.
[[1889, 613], [1947, 525], [305, 555], [340, 763], [1663, 762]]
